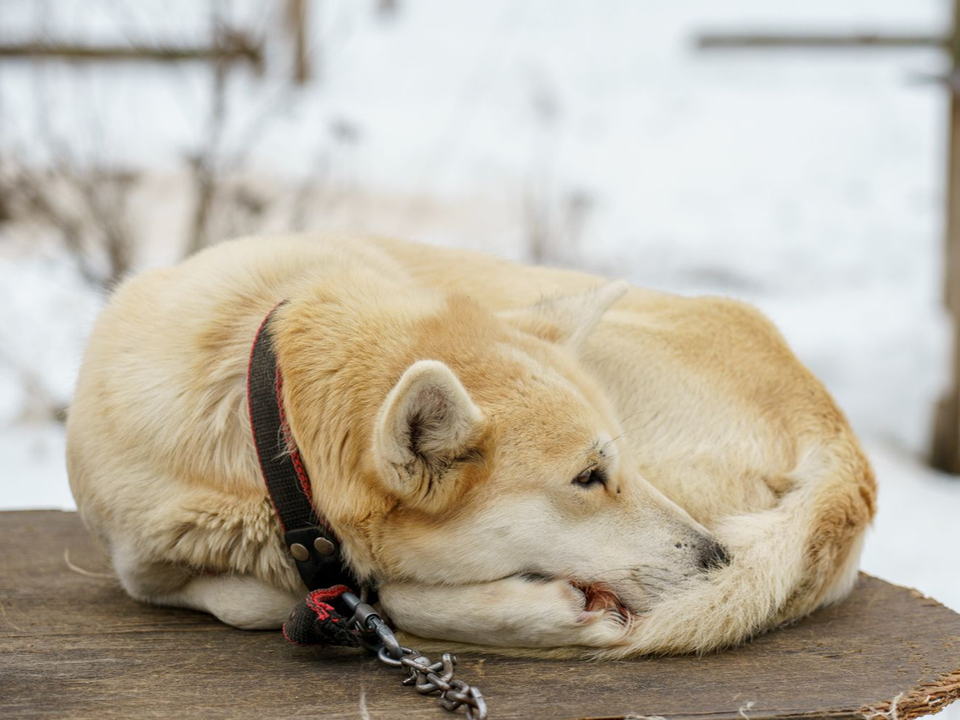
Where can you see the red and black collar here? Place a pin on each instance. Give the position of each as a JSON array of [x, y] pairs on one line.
[[311, 543]]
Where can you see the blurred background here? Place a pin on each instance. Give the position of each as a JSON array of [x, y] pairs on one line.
[[794, 155]]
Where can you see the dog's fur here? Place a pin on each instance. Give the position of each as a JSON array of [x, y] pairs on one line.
[[446, 412]]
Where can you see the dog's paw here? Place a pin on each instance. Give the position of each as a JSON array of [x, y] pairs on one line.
[[515, 611], [566, 615]]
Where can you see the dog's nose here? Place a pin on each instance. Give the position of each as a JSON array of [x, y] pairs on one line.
[[713, 555]]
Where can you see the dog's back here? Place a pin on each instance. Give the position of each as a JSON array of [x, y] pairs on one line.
[[162, 384]]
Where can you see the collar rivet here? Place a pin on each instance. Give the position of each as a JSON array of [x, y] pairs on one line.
[[324, 546], [299, 552]]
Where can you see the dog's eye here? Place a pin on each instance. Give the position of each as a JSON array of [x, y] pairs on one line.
[[590, 478]]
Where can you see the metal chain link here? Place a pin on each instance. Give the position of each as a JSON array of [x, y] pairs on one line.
[[426, 676], [429, 677]]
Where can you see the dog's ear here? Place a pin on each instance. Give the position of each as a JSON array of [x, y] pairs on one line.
[[568, 319], [426, 427]]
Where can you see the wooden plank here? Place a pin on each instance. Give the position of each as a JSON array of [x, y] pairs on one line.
[[78, 646], [817, 41], [240, 50]]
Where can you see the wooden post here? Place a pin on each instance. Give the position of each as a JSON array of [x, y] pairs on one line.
[[945, 450], [297, 23]]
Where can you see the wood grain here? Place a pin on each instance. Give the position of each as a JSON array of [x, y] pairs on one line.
[[77, 646]]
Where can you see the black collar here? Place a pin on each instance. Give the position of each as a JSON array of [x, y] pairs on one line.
[[311, 543]]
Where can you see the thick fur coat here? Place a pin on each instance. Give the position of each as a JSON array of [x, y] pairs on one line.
[[515, 456]]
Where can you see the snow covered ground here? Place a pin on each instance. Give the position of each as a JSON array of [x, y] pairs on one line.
[[807, 183]]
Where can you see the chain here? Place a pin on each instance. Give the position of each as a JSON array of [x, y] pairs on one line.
[[426, 676], [429, 677]]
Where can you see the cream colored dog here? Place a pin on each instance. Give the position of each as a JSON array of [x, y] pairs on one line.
[[508, 470]]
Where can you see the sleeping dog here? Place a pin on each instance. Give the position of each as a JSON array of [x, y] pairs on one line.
[[513, 456]]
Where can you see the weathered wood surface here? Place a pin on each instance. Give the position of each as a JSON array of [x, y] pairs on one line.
[[76, 646]]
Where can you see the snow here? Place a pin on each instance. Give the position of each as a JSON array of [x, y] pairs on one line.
[[808, 183], [34, 458]]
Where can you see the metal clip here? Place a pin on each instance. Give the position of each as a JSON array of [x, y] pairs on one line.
[[371, 625]]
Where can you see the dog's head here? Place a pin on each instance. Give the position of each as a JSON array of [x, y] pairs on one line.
[[505, 458]]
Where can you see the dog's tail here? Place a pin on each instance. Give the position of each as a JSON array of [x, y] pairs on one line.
[[785, 562]]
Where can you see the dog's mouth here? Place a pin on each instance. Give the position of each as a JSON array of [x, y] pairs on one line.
[[599, 596]]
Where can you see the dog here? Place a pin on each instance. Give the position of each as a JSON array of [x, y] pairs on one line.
[[513, 456], [721, 417]]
